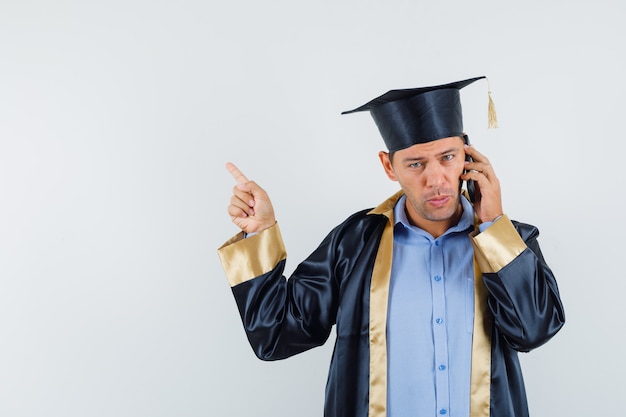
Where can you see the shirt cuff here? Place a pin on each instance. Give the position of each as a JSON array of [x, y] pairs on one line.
[[484, 226]]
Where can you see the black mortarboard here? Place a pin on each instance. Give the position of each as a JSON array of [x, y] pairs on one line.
[[418, 115]]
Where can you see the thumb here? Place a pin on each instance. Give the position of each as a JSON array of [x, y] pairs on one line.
[[253, 189]]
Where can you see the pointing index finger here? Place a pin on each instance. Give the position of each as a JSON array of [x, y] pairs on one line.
[[237, 175]]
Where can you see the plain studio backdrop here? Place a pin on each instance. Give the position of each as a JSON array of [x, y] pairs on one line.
[[116, 120]]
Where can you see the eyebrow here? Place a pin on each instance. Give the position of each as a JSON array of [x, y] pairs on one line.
[[421, 158]]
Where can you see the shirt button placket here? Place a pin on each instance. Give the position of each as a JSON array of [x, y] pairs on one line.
[[440, 330]]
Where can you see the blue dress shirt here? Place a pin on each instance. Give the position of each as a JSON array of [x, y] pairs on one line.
[[430, 319]]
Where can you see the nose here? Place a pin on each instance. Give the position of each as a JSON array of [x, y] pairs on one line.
[[434, 175]]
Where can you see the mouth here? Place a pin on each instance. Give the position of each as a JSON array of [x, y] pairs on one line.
[[438, 201]]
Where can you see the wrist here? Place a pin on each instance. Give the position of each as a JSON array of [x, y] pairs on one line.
[[495, 219], [490, 218], [263, 227]]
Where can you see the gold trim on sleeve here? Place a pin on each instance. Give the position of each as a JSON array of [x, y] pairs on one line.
[[497, 246], [244, 259]]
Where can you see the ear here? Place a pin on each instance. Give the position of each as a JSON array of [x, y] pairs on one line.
[[384, 159]]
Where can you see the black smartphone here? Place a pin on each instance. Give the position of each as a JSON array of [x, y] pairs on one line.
[[471, 186]]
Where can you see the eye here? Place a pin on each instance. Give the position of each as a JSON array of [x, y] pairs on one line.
[[448, 157], [415, 165]]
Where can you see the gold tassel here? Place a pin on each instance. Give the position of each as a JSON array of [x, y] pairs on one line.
[[491, 110]]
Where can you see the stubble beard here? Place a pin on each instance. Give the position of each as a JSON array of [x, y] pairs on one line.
[[437, 214]]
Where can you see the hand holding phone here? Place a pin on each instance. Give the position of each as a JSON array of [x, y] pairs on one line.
[[484, 190], [472, 188]]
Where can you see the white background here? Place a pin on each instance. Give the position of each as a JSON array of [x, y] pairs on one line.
[[116, 119]]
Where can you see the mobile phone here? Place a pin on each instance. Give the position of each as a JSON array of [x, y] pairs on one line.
[[472, 189]]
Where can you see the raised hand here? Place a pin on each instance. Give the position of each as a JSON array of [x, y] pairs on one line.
[[250, 207], [488, 204]]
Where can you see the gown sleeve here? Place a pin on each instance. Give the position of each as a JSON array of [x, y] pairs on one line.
[[281, 317], [523, 295]]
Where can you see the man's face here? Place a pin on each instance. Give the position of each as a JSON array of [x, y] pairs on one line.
[[429, 175]]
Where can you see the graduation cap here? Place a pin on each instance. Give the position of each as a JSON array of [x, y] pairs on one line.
[[418, 115]]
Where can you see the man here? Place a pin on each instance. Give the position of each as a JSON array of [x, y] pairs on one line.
[[432, 295]]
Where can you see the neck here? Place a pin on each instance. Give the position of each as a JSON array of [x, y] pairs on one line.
[[435, 228]]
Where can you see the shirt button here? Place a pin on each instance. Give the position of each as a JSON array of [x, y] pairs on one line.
[[438, 320], [437, 278], [442, 367], [436, 243], [443, 411]]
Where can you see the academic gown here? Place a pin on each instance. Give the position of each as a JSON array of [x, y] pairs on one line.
[[345, 283]]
